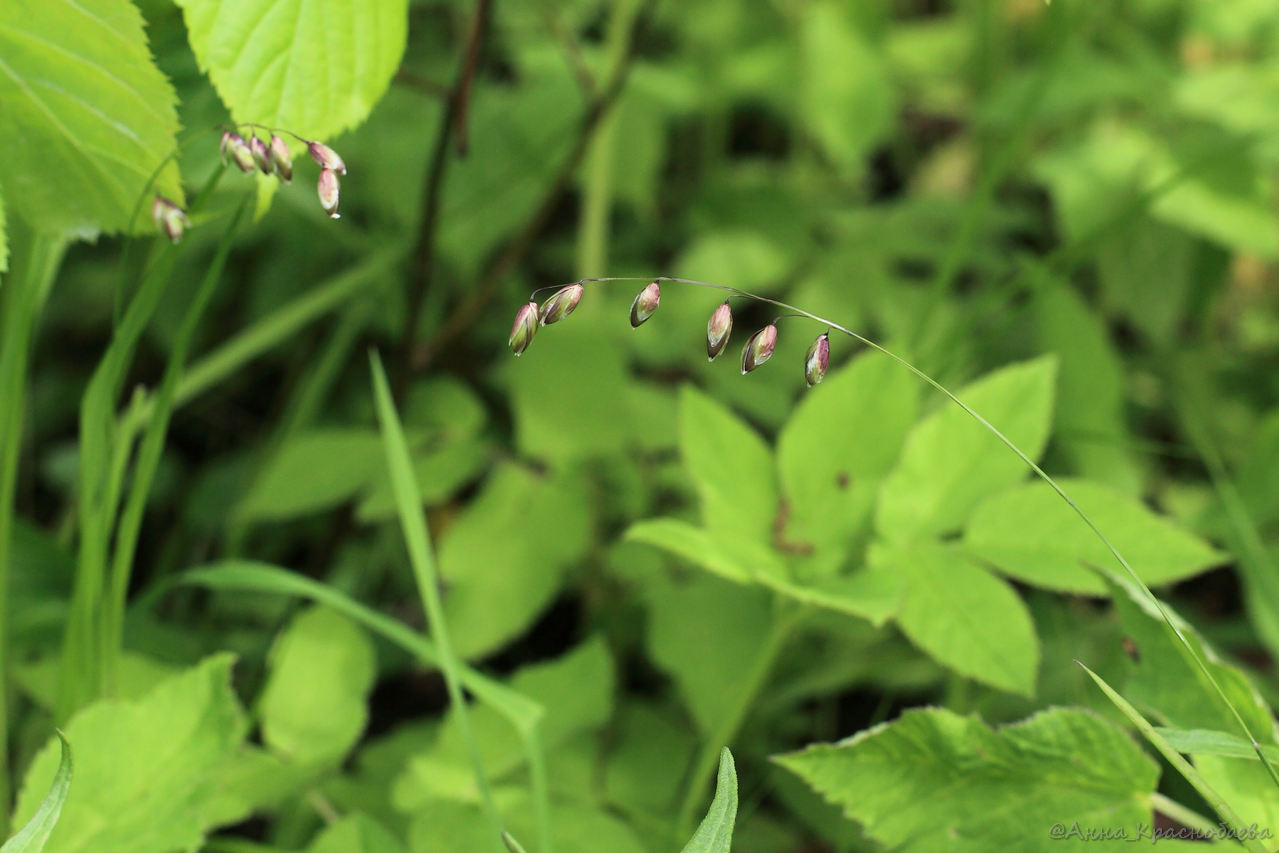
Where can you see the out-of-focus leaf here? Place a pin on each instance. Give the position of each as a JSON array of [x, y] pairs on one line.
[[176, 739], [1210, 742], [715, 834], [85, 114], [963, 616], [927, 781], [950, 461], [356, 833], [504, 558], [313, 705], [731, 467], [1031, 534], [450, 826], [314, 471], [33, 836], [440, 469], [314, 68]]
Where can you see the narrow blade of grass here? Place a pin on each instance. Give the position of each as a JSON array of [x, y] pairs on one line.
[[32, 837], [715, 834], [1175, 758]]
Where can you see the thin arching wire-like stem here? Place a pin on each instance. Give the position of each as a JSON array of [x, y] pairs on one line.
[[1195, 657]]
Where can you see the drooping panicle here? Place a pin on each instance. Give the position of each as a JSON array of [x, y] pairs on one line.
[[261, 154], [561, 304], [525, 327], [759, 348], [169, 218], [282, 159], [327, 189], [817, 359], [234, 146], [326, 157], [645, 304], [718, 329]]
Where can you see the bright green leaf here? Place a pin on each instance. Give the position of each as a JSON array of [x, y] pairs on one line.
[[4, 241], [731, 467], [701, 547], [322, 669], [933, 780], [314, 67], [1031, 534], [356, 833], [175, 739], [314, 471], [85, 114], [449, 826], [439, 469], [841, 440], [1211, 742], [33, 836], [715, 834], [963, 616], [951, 462]]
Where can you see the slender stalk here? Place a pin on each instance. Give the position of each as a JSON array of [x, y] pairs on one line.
[[1187, 650], [1185, 816], [708, 755], [20, 301]]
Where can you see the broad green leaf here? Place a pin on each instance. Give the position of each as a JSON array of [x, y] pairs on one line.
[[950, 461], [845, 98], [837, 446], [1210, 742], [503, 559], [1089, 421], [314, 471], [1031, 534], [577, 692], [85, 114], [4, 241], [730, 465], [255, 780], [176, 739], [450, 826], [440, 470], [705, 634], [718, 555], [933, 780], [650, 748], [322, 669], [33, 836], [313, 67], [715, 834], [963, 616], [356, 833]]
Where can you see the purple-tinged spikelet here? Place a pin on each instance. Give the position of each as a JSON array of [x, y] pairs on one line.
[[234, 146], [261, 154], [817, 359], [561, 304], [169, 218], [645, 304], [327, 189], [718, 329], [759, 348], [326, 157], [524, 328], [281, 159]]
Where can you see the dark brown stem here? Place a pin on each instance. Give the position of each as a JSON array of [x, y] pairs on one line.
[[424, 255], [460, 320]]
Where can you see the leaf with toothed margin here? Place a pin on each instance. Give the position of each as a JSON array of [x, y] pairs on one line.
[[86, 116], [314, 67]]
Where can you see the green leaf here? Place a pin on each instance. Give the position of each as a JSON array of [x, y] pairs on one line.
[[933, 780], [32, 837], [314, 67], [356, 833], [951, 462], [715, 834], [963, 616], [731, 467], [718, 555], [449, 826], [322, 669], [505, 557], [1031, 534], [1212, 742], [175, 739], [314, 471], [4, 241], [85, 114], [440, 470], [845, 97], [837, 446]]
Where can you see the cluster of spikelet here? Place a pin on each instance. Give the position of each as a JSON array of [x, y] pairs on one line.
[[757, 350]]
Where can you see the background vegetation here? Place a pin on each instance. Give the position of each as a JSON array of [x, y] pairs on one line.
[[252, 578]]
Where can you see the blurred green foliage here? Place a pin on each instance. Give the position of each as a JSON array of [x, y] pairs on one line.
[[1065, 212]]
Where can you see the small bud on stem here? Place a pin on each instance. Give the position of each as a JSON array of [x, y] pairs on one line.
[[645, 304], [327, 189], [718, 329], [759, 348], [817, 359], [326, 157], [525, 327], [261, 154], [282, 158], [234, 146], [561, 304], [169, 218]]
